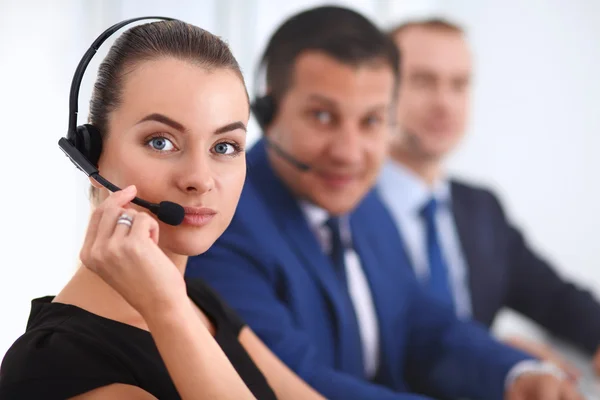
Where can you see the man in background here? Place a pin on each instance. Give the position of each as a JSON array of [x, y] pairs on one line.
[[461, 246], [312, 260]]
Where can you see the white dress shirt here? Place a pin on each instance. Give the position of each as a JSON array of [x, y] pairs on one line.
[[405, 194], [358, 285]]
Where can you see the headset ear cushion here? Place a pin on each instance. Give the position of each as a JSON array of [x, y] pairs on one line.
[[264, 110], [89, 142]]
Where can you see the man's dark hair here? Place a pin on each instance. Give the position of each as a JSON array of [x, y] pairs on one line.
[[343, 34]]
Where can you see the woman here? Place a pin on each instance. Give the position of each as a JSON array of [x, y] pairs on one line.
[[172, 108]]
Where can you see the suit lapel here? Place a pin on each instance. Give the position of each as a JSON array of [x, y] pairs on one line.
[[369, 224], [292, 223], [469, 237]]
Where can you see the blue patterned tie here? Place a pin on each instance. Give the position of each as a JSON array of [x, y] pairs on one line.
[[438, 283]]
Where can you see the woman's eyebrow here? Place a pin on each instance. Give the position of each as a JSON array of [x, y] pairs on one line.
[[163, 119]]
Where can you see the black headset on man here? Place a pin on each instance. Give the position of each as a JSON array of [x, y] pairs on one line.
[[264, 108]]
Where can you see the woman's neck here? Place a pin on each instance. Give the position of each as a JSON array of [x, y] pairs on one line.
[[89, 291], [179, 260]]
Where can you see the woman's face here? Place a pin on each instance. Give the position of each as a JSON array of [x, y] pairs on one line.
[[179, 135]]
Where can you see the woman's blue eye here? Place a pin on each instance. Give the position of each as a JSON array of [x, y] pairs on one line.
[[224, 148], [161, 144]]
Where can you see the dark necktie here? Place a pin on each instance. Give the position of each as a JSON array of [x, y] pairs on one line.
[[438, 283], [351, 356], [338, 250]]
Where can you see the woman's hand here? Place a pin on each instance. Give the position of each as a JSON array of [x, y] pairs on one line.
[[128, 257], [130, 261]]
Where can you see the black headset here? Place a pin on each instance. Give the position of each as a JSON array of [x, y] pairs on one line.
[[86, 139], [83, 143], [264, 108]]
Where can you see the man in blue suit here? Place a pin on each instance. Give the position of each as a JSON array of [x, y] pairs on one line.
[[312, 260], [487, 263]]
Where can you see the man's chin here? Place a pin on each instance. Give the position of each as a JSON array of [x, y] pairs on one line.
[[439, 149], [434, 156], [341, 203]]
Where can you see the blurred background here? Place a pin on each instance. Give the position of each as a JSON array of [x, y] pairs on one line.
[[533, 136]]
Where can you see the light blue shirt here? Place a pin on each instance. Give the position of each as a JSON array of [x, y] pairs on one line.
[[405, 194]]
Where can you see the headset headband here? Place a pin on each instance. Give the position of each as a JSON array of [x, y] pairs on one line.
[[87, 57]]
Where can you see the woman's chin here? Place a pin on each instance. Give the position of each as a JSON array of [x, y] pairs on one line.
[[190, 248]]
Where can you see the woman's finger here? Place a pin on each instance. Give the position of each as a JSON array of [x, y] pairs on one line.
[[123, 224], [154, 229], [145, 227], [111, 206], [116, 199], [108, 225], [120, 198]]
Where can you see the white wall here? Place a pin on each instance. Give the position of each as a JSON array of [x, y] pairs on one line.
[[41, 192], [533, 136]]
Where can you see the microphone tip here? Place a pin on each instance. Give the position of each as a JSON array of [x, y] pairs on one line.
[[170, 213]]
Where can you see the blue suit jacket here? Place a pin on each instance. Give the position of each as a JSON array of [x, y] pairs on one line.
[[504, 271], [269, 266]]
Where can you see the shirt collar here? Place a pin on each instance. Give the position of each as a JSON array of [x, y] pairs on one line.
[[408, 190], [315, 215]]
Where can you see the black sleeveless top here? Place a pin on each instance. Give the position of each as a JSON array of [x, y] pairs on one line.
[[67, 351]]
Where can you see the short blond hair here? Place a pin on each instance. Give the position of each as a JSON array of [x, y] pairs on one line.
[[439, 24]]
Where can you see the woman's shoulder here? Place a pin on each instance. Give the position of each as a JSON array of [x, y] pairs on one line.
[[62, 351], [211, 302]]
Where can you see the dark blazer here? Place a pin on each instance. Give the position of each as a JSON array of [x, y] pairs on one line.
[[269, 266], [505, 272]]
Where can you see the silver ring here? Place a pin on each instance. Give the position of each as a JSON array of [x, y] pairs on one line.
[[125, 219]]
